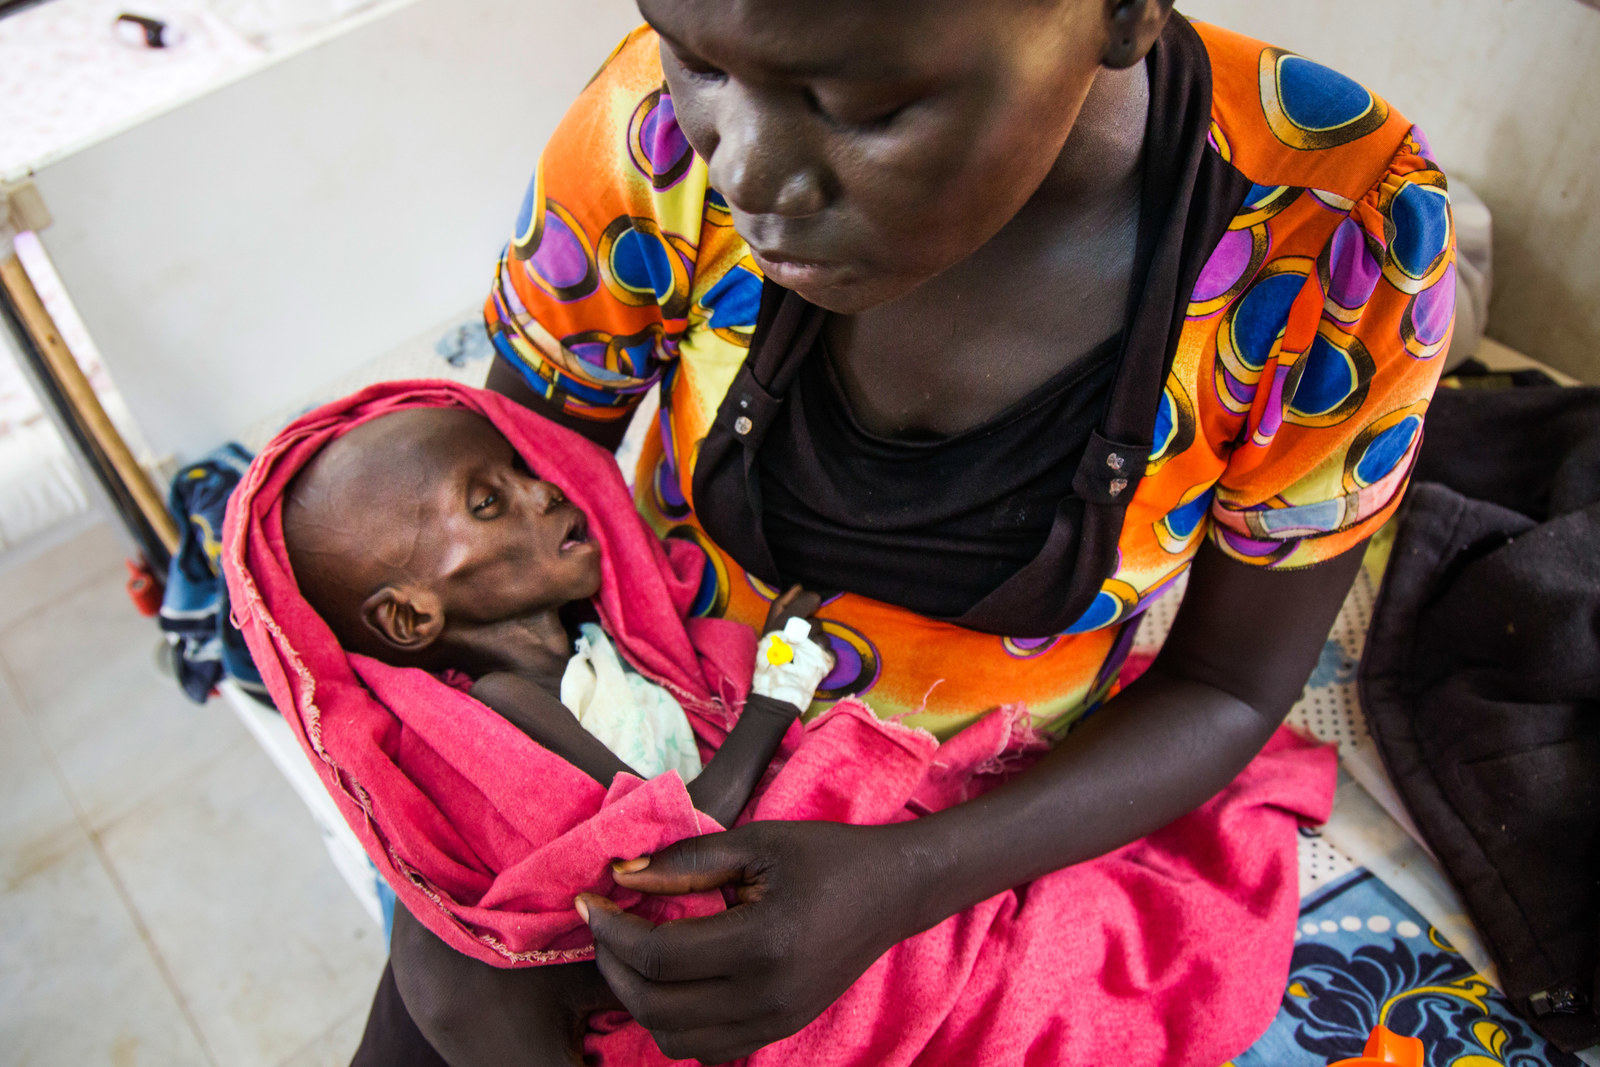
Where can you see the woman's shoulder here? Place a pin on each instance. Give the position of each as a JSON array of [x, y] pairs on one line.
[[619, 144], [632, 69], [1281, 119], [613, 132], [621, 247]]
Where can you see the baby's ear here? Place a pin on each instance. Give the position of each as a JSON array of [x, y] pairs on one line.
[[404, 620]]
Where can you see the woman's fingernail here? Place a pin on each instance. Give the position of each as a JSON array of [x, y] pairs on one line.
[[583, 909], [630, 866]]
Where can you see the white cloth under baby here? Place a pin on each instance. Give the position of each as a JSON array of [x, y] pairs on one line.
[[638, 720]]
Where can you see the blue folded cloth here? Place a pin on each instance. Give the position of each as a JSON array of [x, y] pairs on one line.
[[194, 611]]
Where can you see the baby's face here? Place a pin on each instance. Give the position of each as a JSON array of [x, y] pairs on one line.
[[460, 513]]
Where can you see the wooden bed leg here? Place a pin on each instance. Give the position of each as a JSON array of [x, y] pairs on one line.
[[74, 386]]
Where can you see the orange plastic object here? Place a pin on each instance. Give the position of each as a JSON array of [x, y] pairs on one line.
[[144, 588], [1385, 1048]]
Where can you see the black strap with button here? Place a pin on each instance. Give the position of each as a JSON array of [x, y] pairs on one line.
[[1190, 196], [1045, 597], [1109, 472]]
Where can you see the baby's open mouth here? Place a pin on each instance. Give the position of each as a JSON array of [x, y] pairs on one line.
[[577, 533]]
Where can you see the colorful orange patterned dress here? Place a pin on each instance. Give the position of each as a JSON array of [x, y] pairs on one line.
[[1305, 342]]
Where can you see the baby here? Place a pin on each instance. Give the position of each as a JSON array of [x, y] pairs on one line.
[[423, 540]]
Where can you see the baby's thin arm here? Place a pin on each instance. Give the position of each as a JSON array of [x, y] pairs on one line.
[[535, 711], [724, 787]]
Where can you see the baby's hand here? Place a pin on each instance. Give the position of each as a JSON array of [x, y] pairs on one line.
[[789, 667], [797, 602]]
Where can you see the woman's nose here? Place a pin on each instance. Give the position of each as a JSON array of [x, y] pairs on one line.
[[760, 163]]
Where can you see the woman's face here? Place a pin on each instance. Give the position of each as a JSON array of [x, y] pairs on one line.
[[866, 145]]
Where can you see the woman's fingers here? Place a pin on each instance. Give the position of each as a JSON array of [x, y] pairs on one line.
[[722, 1044], [687, 950], [717, 987], [690, 866], [633, 943], [708, 1002]]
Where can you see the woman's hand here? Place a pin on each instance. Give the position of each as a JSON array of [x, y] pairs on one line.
[[817, 903]]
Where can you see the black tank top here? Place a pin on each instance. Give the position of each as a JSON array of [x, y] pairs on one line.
[[847, 509]]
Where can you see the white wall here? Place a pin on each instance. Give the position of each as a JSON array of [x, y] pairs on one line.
[[234, 255], [1509, 94]]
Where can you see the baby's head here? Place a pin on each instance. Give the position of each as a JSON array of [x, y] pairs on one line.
[[419, 534]]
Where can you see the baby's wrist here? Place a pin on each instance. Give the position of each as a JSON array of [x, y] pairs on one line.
[[778, 709], [789, 665]]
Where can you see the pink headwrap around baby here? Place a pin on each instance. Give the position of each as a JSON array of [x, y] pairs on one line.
[[485, 836], [1172, 951]]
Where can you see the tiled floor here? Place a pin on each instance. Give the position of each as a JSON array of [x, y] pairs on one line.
[[164, 898]]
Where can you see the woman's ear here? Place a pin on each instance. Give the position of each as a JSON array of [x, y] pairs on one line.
[[1132, 28], [404, 620]]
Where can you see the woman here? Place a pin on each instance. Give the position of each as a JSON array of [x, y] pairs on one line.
[[1061, 299]]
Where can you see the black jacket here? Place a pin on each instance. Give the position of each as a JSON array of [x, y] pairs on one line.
[[1481, 682]]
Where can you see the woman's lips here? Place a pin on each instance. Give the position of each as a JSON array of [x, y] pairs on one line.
[[794, 273]]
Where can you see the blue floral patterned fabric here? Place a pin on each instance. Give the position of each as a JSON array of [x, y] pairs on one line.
[[205, 645], [1362, 957]]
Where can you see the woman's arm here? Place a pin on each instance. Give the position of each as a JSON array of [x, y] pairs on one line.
[[1163, 747], [818, 902], [476, 1015], [508, 381]]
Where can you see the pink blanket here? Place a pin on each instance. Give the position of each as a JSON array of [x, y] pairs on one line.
[[1173, 950]]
